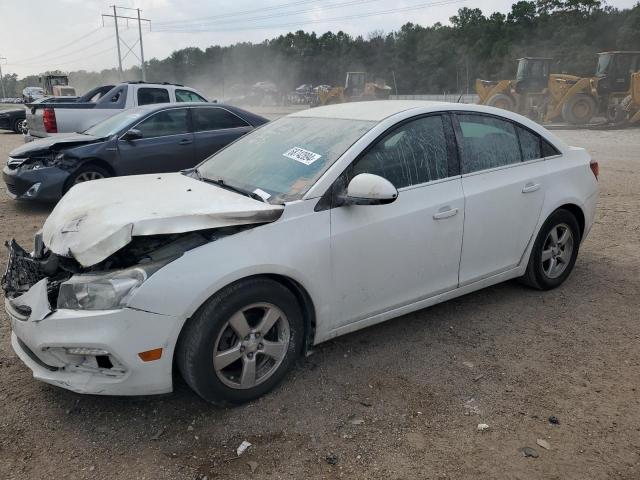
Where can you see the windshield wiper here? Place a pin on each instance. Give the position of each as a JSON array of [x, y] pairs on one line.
[[221, 183]]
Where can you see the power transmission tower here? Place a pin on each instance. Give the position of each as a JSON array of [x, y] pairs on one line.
[[4, 95], [115, 17]]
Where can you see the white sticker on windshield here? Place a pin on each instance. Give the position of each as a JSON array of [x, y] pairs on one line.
[[262, 194], [301, 155]]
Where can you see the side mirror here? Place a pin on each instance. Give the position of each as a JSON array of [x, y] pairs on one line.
[[369, 189], [133, 134]]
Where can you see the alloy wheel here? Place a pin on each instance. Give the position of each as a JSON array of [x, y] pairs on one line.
[[557, 250], [251, 346], [87, 176]]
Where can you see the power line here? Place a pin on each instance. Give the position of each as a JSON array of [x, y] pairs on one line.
[[73, 42], [115, 17], [343, 4], [243, 12], [73, 52], [315, 21]]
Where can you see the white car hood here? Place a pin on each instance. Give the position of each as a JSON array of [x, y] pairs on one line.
[[95, 219]]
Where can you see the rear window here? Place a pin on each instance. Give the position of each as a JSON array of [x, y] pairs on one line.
[[147, 96], [188, 96], [205, 119]]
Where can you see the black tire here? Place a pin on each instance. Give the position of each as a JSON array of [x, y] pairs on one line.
[[88, 170], [16, 125], [537, 275], [500, 100], [198, 342], [579, 109]]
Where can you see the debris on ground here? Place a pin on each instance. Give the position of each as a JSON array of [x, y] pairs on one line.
[[482, 427], [543, 443], [332, 459], [243, 447], [468, 364], [553, 419], [158, 434], [357, 421], [252, 465], [529, 452], [471, 408], [478, 377]]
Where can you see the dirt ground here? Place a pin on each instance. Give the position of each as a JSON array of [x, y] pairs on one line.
[[396, 401]]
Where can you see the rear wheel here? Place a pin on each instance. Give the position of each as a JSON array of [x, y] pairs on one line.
[[554, 252], [579, 109], [241, 342], [500, 100]]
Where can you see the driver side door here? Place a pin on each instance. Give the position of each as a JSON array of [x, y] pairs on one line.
[[166, 145], [387, 256]]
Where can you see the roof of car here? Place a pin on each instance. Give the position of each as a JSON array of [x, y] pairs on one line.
[[373, 111]]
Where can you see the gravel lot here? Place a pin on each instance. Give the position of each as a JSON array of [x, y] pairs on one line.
[[395, 401]]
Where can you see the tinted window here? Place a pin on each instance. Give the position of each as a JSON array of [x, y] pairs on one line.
[[413, 153], [215, 119], [188, 96], [548, 150], [530, 144], [169, 122], [487, 142], [148, 96]]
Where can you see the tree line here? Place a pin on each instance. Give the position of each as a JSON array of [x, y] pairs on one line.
[[415, 59]]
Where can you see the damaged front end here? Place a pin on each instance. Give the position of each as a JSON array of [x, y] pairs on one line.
[[38, 283]]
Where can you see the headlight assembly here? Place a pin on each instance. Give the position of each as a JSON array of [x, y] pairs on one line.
[[106, 291]]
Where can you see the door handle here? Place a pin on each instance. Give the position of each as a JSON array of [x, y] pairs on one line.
[[185, 141], [531, 187], [442, 213]]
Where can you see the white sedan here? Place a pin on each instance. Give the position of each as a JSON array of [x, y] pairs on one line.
[[315, 225]]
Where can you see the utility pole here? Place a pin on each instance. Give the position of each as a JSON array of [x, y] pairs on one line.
[[115, 17], [142, 66], [4, 95], [115, 22]]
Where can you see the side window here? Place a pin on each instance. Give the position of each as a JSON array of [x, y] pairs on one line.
[[487, 142], [148, 96], [548, 150], [413, 153], [530, 144], [188, 96], [168, 122], [215, 119]]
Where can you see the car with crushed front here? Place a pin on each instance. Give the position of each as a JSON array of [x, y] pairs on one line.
[[149, 139], [315, 225]]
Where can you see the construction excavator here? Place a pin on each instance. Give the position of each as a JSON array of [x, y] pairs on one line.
[[613, 92], [356, 88]]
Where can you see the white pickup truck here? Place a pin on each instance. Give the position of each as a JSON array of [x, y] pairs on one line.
[[44, 119]]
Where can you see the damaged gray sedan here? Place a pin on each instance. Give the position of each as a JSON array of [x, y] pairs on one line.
[[312, 226]]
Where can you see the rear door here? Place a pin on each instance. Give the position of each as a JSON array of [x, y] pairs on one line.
[[215, 128], [166, 145], [503, 178]]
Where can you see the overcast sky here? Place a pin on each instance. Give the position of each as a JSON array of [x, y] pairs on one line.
[[38, 35]]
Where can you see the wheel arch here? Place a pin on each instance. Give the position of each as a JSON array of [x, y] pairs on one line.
[[302, 296], [577, 212], [97, 162]]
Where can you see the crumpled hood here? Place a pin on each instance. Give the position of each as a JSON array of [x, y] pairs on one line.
[[95, 219], [61, 140]]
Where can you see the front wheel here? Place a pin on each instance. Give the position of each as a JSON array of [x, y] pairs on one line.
[[241, 342], [85, 173], [554, 252]]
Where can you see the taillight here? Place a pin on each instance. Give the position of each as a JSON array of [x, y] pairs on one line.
[[49, 120], [595, 168]]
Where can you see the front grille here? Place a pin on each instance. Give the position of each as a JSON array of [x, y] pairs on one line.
[[22, 271]]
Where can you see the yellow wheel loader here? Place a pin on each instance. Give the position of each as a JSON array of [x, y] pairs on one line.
[[356, 89], [549, 97]]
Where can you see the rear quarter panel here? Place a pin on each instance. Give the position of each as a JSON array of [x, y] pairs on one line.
[[571, 181]]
